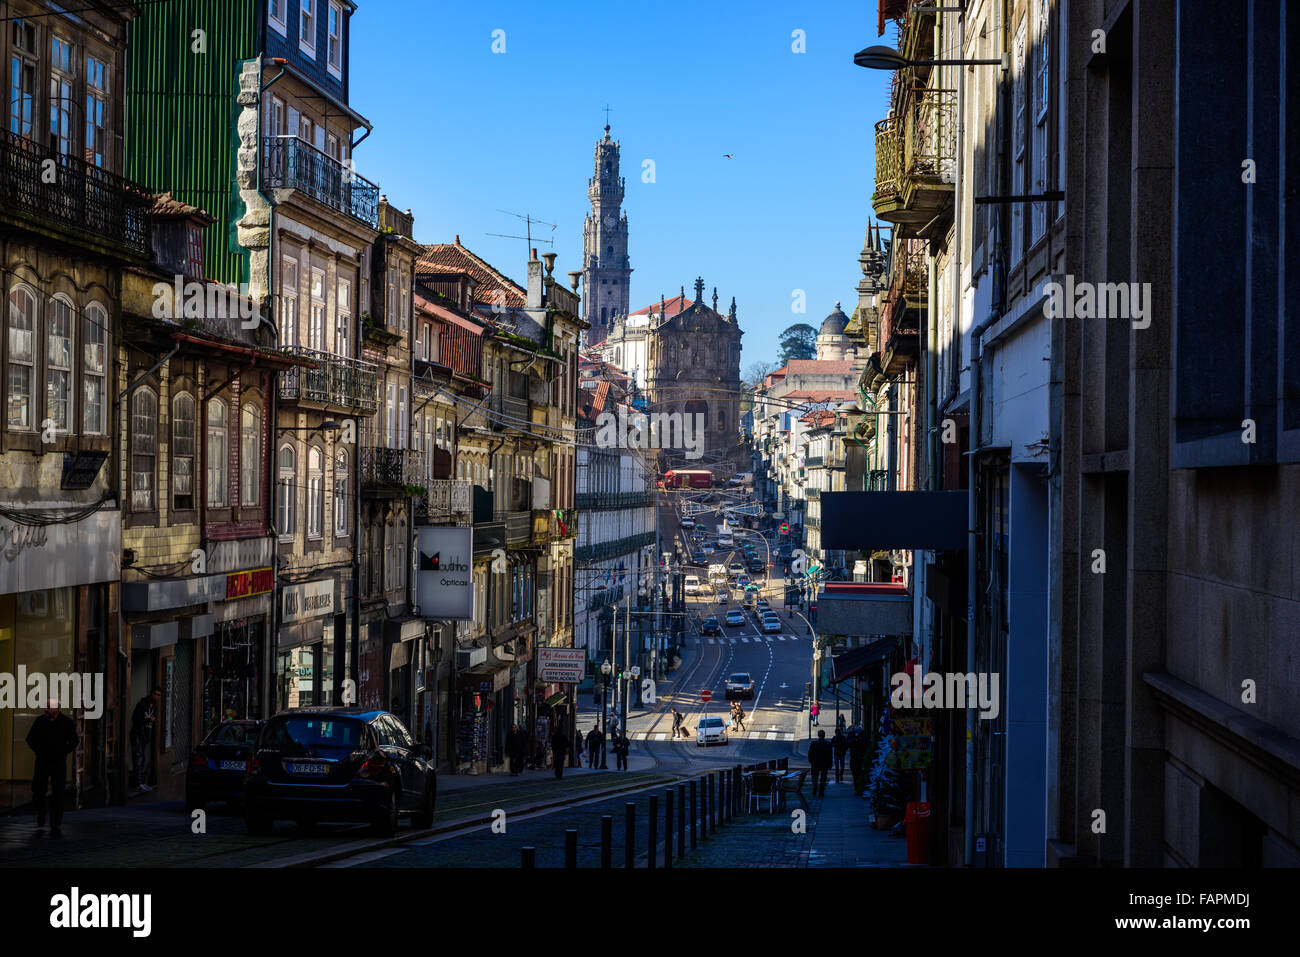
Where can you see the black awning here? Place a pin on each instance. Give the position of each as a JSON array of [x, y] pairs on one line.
[[851, 662], [879, 520]]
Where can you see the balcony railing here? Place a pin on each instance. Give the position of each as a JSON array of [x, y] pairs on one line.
[[349, 385], [290, 163], [603, 550], [515, 410], [916, 150], [612, 500], [445, 500], [889, 160], [389, 468], [87, 204], [815, 461]]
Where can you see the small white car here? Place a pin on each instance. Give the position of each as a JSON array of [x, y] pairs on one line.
[[711, 730], [688, 523], [740, 685], [735, 569], [771, 625]]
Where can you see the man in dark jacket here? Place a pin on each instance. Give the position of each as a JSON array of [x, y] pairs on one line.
[[52, 737], [143, 719], [516, 749], [819, 756], [559, 747], [840, 745], [857, 759], [594, 740]]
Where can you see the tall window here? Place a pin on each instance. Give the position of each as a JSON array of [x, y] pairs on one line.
[[406, 303], [22, 357], [288, 302], [307, 26], [182, 451], [275, 14], [58, 359], [340, 492], [286, 493], [316, 330], [1018, 82], [335, 33], [343, 319], [1042, 93], [278, 127], [390, 416], [94, 372], [61, 78], [144, 448], [250, 459], [96, 111], [391, 315], [401, 417], [218, 423], [22, 80], [315, 491]]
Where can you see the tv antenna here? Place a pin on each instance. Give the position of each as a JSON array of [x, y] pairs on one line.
[[529, 223]]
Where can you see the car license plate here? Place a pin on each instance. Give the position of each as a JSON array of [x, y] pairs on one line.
[[299, 767], [234, 765]]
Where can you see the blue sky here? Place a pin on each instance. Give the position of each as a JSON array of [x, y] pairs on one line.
[[461, 132]]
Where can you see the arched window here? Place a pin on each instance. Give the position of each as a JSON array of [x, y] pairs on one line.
[[250, 455], [22, 356], [340, 492], [94, 372], [58, 361], [286, 518], [218, 443], [144, 448], [315, 492], [182, 451]]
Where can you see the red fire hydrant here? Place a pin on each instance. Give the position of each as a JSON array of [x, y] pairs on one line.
[[917, 821]]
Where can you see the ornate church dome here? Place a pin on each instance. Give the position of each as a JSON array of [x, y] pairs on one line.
[[833, 325]]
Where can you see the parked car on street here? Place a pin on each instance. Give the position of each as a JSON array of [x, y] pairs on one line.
[[216, 768], [338, 764], [711, 730], [735, 617]]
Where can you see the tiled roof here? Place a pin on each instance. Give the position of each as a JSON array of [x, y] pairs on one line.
[[671, 307], [453, 257]]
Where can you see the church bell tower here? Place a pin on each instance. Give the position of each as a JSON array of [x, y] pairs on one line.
[[606, 271]]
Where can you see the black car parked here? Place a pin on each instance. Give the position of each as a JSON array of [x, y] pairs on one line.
[[710, 626], [338, 764], [217, 766]]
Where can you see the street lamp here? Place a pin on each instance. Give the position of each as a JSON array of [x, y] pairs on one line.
[[816, 671], [605, 670], [887, 58]]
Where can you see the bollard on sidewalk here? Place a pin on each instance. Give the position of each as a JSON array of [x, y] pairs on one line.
[[694, 816], [654, 831], [681, 819], [668, 828], [606, 841], [629, 835]]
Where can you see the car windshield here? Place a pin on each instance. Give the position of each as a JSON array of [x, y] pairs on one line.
[[710, 722], [739, 679], [234, 732], [296, 732]]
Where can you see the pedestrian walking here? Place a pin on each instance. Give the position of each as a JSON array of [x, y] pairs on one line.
[[839, 722], [516, 749], [857, 757], [143, 719], [840, 746], [740, 717], [559, 748], [52, 737], [819, 756], [593, 746], [577, 750], [621, 746], [814, 709], [677, 723]]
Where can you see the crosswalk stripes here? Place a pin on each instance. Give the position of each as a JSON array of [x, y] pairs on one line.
[[744, 640]]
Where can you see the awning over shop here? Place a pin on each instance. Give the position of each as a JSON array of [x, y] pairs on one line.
[[864, 609], [555, 699], [859, 659], [878, 520]]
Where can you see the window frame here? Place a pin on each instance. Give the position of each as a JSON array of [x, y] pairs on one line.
[[286, 494], [340, 494], [289, 301], [97, 96], [310, 8], [70, 370], [30, 363], [343, 316], [92, 329], [143, 393], [315, 526], [174, 453], [63, 77], [334, 8], [250, 498], [217, 466]]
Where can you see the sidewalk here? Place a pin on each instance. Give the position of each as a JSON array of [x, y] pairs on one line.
[[838, 834]]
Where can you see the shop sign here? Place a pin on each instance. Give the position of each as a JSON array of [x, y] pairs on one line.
[[561, 665], [255, 581], [33, 558], [308, 600], [445, 577]]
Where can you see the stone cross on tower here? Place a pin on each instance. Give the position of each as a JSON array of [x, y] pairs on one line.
[[715, 298], [699, 289]]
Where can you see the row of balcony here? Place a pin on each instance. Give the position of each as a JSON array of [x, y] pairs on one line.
[[444, 500], [600, 551], [612, 500], [337, 384], [75, 200], [389, 469], [916, 152]]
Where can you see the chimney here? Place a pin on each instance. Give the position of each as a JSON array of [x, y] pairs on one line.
[[534, 282], [458, 239]]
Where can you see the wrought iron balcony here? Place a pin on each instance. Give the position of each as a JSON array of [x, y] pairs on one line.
[[612, 500], [445, 500], [76, 200], [389, 469], [338, 384], [291, 163], [519, 528], [916, 150]]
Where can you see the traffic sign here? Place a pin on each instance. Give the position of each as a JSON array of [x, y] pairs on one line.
[[785, 528], [706, 695], [636, 671]]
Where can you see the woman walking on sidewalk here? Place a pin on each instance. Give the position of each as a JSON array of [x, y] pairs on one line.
[[814, 709]]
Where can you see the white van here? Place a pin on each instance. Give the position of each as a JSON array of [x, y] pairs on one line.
[[692, 584]]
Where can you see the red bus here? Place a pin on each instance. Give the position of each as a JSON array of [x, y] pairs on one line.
[[688, 478]]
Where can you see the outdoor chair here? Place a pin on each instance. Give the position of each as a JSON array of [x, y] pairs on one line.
[[792, 783], [762, 787]]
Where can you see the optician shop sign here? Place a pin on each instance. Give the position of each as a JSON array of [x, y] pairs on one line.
[[445, 574]]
